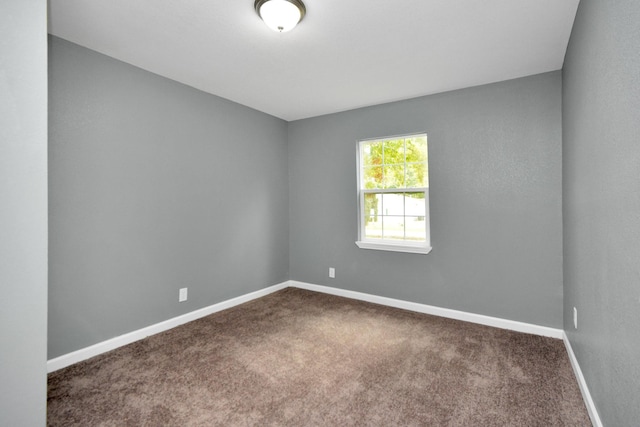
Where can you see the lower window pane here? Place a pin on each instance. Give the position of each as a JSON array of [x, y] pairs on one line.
[[373, 227], [393, 204], [372, 204], [414, 204], [416, 228], [395, 217], [393, 227]]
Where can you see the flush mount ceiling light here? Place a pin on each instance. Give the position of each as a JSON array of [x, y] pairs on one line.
[[280, 15]]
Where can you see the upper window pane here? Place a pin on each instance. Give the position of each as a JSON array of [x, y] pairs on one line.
[[395, 163], [393, 176], [372, 177], [416, 175], [416, 149], [372, 153], [393, 152]]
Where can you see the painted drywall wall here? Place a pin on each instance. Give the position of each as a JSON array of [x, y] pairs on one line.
[[495, 194], [601, 188], [154, 186], [23, 212]]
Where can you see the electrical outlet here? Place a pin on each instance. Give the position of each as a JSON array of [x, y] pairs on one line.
[[182, 295], [575, 317], [332, 272]]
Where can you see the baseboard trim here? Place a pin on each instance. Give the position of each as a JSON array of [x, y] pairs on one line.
[[584, 389], [128, 338], [122, 340], [436, 311]]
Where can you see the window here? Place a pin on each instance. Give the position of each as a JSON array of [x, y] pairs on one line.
[[393, 193]]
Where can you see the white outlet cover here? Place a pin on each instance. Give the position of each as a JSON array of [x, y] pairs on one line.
[[332, 272], [575, 317], [182, 295]]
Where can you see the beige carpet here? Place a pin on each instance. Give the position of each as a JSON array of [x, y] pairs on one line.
[[300, 358]]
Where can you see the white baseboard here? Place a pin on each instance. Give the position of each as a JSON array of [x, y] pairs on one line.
[[586, 395], [436, 311], [113, 343]]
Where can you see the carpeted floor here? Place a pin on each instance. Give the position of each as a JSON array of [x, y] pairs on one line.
[[300, 358]]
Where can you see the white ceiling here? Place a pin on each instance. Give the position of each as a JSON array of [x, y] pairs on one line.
[[345, 54]]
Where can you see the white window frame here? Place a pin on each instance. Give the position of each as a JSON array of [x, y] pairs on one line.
[[382, 244]]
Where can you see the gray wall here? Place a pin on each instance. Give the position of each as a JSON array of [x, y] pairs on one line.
[[23, 212], [601, 125], [495, 193], [154, 186]]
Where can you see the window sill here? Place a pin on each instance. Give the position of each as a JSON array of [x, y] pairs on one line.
[[394, 247]]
